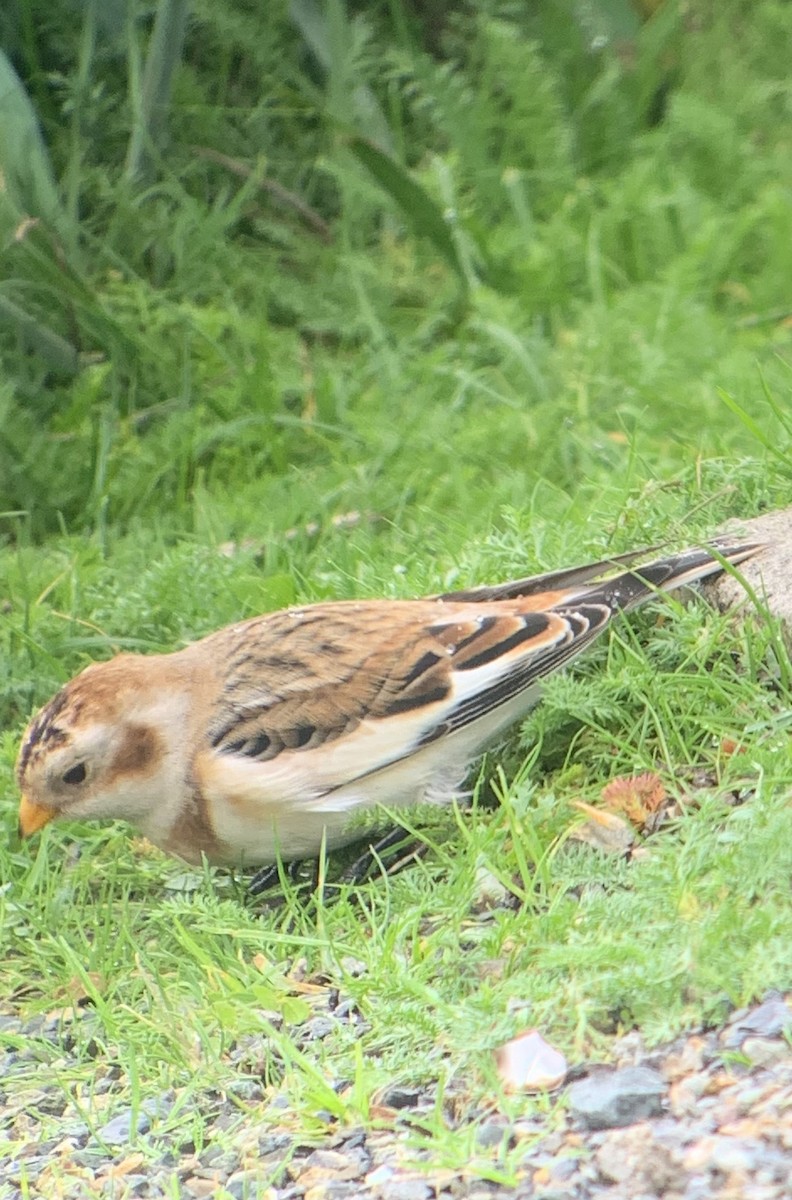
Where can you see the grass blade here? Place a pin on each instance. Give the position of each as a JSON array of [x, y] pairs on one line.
[[417, 206], [151, 105], [754, 428], [24, 158]]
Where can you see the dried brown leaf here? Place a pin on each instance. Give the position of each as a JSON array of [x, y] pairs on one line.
[[637, 796], [604, 831]]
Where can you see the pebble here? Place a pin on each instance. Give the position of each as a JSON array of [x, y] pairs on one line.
[[563, 1169], [723, 1154], [119, 1130], [766, 1052], [316, 1029], [215, 1158], [402, 1097], [770, 1019], [635, 1157], [612, 1098], [332, 1189], [493, 1133], [250, 1185], [200, 1188], [406, 1189]]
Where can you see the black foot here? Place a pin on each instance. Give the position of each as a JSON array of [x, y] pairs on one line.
[[270, 877], [375, 858], [408, 850]]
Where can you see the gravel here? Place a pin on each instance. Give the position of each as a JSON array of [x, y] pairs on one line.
[[706, 1117]]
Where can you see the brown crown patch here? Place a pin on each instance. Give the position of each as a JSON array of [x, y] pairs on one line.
[[43, 733], [93, 695]]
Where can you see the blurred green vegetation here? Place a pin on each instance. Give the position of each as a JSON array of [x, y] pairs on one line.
[[383, 247]]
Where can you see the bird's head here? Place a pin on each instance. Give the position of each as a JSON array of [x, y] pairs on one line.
[[93, 751]]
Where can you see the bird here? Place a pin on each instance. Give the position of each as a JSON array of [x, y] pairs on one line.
[[268, 739]]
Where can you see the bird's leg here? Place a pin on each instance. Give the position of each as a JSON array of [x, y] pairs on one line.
[[408, 851], [270, 876]]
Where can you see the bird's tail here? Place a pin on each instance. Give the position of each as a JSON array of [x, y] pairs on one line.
[[621, 589], [630, 588]]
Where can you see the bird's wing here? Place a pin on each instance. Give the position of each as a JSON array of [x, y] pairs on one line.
[[319, 697], [316, 698]]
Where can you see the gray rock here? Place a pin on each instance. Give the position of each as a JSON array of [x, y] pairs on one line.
[[91, 1157], [249, 1090], [562, 1169], [766, 1052], [768, 573], [612, 1098], [119, 1131], [403, 1097], [492, 1133], [317, 1028], [249, 1185], [218, 1159], [406, 1189], [735, 1154], [769, 1020]]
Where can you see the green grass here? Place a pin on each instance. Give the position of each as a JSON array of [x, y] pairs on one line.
[[278, 419]]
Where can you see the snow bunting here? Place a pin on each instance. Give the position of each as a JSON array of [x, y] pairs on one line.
[[273, 735]]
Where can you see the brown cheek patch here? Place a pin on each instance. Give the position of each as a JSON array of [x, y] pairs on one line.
[[139, 754]]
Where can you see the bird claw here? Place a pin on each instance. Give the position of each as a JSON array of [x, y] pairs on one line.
[[375, 857]]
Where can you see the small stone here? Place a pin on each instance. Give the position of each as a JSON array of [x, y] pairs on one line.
[[769, 1019], [492, 1134], [766, 1052], [215, 1158], [249, 1090], [488, 891], [92, 1158], [562, 1169], [249, 1185], [353, 966], [613, 1098], [636, 1159], [379, 1176], [628, 1050], [406, 1189], [724, 1154], [200, 1188], [119, 1131], [327, 1160], [136, 1185], [332, 1189], [528, 1063], [685, 1094], [729, 1155], [317, 1028], [274, 1143], [402, 1097], [314, 1177], [687, 1061]]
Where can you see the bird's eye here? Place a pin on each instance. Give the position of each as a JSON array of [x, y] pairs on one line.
[[75, 774]]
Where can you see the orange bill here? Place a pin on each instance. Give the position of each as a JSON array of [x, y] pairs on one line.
[[32, 816]]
